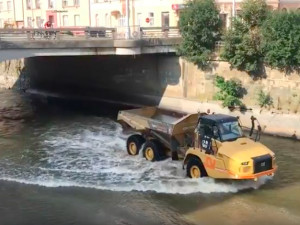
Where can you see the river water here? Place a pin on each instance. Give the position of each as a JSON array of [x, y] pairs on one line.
[[66, 165]]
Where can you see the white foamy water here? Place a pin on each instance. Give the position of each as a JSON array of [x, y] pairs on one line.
[[94, 155]]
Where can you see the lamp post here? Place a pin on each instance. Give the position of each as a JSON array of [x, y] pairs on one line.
[[233, 8], [127, 32]]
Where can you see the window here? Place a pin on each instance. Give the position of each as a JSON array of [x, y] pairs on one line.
[[107, 20], [64, 3], [165, 21], [122, 21], [76, 2], [206, 130], [65, 20], [97, 20], [223, 18], [38, 4], [77, 20], [238, 13], [151, 18], [39, 22], [9, 6], [139, 19], [51, 19], [29, 21], [29, 4], [51, 4], [230, 131]]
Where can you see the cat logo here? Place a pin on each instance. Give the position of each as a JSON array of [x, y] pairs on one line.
[[210, 163], [263, 164]]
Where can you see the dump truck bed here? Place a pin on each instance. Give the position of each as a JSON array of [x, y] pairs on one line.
[[156, 119]]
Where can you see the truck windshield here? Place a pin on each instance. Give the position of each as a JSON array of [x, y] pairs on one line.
[[230, 131]]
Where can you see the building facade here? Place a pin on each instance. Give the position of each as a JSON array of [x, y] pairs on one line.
[[143, 13], [35, 13], [111, 13], [165, 13], [61, 13], [11, 15], [287, 5]]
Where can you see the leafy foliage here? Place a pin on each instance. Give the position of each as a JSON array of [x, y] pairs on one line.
[[229, 92], [200, 27], [282, 40], [243, 48], [264, 99], [254, 12]]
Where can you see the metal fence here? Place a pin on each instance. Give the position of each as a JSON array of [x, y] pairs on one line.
[[135, 32]]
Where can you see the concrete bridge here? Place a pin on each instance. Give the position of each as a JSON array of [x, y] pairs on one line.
[[23, 43]]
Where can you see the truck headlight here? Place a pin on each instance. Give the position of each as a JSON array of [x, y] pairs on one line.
[[245, 163]]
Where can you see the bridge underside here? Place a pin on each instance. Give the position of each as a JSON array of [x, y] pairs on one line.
[[25, 49], [118, 78]]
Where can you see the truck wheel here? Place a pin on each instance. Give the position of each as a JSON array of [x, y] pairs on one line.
[[195, 168], [152, 150], [134, 144]]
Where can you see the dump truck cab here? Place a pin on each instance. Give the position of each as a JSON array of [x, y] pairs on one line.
[[221, 150]]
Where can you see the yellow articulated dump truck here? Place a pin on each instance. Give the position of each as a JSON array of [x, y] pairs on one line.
[[210, 144]]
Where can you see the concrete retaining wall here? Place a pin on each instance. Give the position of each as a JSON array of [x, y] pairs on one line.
[[164, 80]]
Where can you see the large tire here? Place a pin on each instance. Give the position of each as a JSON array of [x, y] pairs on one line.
[[153, 150], [195, 168], [134, 144]]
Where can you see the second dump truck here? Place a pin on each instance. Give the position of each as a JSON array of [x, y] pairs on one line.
[[210, 144]]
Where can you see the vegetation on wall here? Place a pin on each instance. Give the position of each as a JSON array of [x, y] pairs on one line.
[[243, 41], [200, 27], [281, 44], [230, 92], [264, 99]]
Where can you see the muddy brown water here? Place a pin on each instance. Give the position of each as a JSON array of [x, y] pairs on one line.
[[66, 166]]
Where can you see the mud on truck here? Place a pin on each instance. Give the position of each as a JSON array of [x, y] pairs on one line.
[[210, 144]]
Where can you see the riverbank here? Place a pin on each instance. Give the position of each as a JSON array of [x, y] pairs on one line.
[[285, 125], [274, 123]]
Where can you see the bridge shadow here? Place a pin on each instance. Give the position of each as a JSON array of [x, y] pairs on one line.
[[137, 80]]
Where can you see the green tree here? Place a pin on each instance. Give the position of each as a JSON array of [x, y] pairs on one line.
[[200, 27], [281, 43], [254, 12], [243, 48]]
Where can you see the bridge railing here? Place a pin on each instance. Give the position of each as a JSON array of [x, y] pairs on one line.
[[56, 33], [78, 33], [159, 32]]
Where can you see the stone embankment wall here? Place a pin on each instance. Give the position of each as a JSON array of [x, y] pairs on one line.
[[10, 72], [198, 85], [14, 74], [13, 107], [159, 79]]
